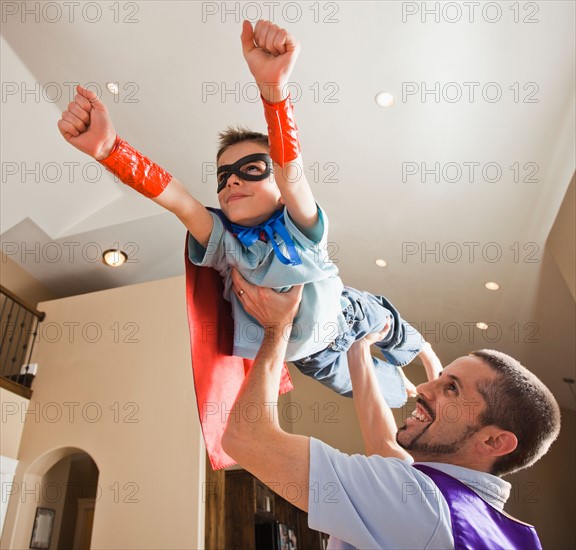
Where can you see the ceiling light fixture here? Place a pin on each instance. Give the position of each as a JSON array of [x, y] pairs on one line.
[[491, 285], [114, 258], [482, 326], [113, 87], [384, 99], [380, 262]]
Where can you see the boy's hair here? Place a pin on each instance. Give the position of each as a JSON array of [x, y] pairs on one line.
[[518, 401], [232, 136]]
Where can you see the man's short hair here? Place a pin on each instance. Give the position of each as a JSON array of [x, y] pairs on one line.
[[517, 401], [232, 136]]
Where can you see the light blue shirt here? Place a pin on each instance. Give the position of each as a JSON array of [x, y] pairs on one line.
[[375, 502], [318, 322]]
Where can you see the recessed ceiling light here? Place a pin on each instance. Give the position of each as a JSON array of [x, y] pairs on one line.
[[491, 285], [384, 99], [482, 326], [113, 87], [114, 258], [380, 263]]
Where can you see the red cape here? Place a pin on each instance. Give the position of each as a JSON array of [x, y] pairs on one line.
[[218, 375]]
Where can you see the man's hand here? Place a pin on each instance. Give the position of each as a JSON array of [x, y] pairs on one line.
[[86, 124], [374, 337], [271, 53], [268, 307]]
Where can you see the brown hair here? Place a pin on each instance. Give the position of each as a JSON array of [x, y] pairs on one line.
[[518, 401], [232, 136]]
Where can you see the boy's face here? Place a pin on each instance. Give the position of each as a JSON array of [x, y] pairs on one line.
[[246, 202]]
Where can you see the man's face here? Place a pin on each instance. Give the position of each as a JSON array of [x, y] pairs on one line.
[[245, 202], [445, 420]]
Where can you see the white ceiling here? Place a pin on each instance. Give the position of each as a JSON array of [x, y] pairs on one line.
[[182, 79]]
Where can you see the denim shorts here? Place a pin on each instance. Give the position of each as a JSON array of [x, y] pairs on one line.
[[366, 313]]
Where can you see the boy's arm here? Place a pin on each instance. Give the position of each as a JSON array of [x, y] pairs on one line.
[[431, 363], [374, 415], [271, 53], [87, 126]]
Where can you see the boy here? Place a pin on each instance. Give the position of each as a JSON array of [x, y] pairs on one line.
[[270, 228]]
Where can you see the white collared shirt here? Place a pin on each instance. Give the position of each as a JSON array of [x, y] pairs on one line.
[[378, 503]]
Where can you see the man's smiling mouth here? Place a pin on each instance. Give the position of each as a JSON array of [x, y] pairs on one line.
[[422, 411]]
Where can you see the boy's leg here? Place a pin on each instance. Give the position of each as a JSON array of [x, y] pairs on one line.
[[400, 346], [364, 315], [368, 313], [403, 343], [330, 368]]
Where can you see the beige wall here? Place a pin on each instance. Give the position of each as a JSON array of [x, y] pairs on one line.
[[544, 494], [13, 409], [115, 382], [21, 283], [562, 238], [314, 410]]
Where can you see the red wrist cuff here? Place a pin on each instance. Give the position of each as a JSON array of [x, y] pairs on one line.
[[282, 131], [136, 170]]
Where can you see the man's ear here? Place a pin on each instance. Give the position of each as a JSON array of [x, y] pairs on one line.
[[497, 442]]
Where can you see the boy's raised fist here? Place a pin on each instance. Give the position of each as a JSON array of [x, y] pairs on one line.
[[86, 124], [271, 53]]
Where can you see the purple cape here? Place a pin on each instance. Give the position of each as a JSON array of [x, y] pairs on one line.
[[477, 525]]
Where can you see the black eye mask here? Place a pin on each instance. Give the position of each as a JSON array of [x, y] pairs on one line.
[[226, 170]]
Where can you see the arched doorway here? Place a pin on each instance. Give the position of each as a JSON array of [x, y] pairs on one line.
[[58, 506], [80, 495]]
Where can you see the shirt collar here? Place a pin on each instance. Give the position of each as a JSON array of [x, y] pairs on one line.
[[491, 488]]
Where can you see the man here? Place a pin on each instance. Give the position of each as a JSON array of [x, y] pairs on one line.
[[484, 417]]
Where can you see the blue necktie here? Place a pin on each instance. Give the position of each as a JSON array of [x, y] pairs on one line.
[[249, 235]]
